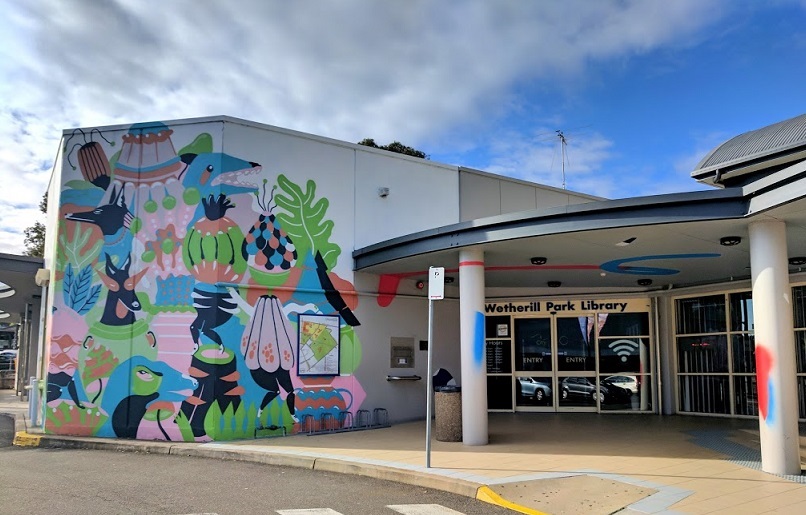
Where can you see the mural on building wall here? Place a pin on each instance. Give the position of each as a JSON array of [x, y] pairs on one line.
[[181, 277]]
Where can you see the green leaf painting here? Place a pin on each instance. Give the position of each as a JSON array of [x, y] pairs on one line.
[[201, 145], [238, 424], [184, 427], [73, 251], [350, 349], [304, 220]]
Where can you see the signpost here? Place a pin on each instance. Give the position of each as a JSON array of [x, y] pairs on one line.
[[436, 291]]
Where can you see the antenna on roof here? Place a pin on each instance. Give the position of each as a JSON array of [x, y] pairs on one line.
[[563, 151]]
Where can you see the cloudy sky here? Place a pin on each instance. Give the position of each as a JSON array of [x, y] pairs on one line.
[[641, 89]]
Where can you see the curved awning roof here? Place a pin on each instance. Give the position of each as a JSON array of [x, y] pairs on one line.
[[18, 286], [608, 246], [763, 149]]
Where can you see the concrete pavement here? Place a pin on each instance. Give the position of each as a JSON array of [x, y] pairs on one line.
[[535, 463]]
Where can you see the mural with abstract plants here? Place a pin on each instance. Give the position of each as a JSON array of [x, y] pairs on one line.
[[181, 275]]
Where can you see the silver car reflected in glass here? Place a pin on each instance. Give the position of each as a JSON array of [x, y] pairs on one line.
[[535, 390]]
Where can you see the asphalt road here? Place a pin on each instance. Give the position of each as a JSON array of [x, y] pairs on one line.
[[34, 481]]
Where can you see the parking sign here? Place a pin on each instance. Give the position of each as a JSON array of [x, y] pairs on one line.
[[436, 283]]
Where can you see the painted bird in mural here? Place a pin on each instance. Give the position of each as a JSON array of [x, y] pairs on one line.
[[268, 345], [135, 385], [216, 173]]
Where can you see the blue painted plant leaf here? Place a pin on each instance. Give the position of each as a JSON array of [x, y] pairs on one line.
[[68, 283], [89, 302]]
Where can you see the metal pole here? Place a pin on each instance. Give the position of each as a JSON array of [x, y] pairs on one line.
[[430, 392], [41, 367]]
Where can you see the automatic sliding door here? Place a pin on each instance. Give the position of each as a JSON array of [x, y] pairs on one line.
[[576, 363], [534, 364]]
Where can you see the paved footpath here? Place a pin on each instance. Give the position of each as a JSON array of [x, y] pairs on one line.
[[534, 463]]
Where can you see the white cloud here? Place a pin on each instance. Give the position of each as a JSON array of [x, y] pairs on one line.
[[538, 157], [410, 71]]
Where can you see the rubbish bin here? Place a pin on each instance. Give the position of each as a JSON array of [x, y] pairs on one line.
[[448, 413]]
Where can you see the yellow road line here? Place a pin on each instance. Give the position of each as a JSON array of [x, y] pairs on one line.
[[485, 494]]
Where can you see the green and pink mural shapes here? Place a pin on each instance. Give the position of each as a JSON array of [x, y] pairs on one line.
[[181, 276]]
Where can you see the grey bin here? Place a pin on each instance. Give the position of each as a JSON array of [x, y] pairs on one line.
[[448, 413]]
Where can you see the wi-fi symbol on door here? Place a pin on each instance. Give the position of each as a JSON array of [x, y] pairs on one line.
[[623, 348]]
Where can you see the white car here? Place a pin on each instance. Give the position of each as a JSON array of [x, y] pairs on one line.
[[627, 382]]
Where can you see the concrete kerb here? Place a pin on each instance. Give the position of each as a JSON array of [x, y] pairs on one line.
[[388, 473], [410, 477]]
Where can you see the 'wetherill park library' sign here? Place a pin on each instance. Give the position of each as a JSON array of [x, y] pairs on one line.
[[553, 307]]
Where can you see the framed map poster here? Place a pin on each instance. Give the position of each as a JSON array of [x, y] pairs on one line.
[[318, 345]]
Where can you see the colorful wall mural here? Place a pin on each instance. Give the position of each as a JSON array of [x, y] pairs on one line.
[[181, 277]]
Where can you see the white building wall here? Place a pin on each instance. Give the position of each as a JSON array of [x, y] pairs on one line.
[[484, 194], [405, 317], [301, 158], [422, 195]]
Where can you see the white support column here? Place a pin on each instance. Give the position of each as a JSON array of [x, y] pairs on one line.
[[474, 371], [775, 349]]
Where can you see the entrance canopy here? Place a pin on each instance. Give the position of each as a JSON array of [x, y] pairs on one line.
[[17, 286], [636, 244]]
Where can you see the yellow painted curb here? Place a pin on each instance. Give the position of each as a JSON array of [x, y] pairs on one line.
[[485, 494], [23, 439]]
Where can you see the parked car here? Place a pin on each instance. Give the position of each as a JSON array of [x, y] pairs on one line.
[[585, 388], [534, 390], [8, 359], [628, 382]]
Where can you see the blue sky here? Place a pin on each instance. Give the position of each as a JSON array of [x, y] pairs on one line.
[[642, 89]]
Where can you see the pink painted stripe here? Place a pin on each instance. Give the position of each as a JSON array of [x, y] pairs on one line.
[[471, 263]]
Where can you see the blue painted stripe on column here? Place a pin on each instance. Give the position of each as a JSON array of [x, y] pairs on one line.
[[478, 340], [771, 404]]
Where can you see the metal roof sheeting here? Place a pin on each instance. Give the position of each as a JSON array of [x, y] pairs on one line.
[[778, 138]]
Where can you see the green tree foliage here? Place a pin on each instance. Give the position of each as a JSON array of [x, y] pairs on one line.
[[35, 235], [394, 146]]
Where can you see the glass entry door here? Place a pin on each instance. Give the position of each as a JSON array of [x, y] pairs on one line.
[[555, 364], [576, 364], [534, 364]]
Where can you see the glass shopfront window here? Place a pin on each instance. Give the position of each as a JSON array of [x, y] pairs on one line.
[[533, 344], [624, 361], [702, 354], [716, 362], [533, 391], [573, 355], [799, 303], [575, 344], [498, 334], [701, 315]]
